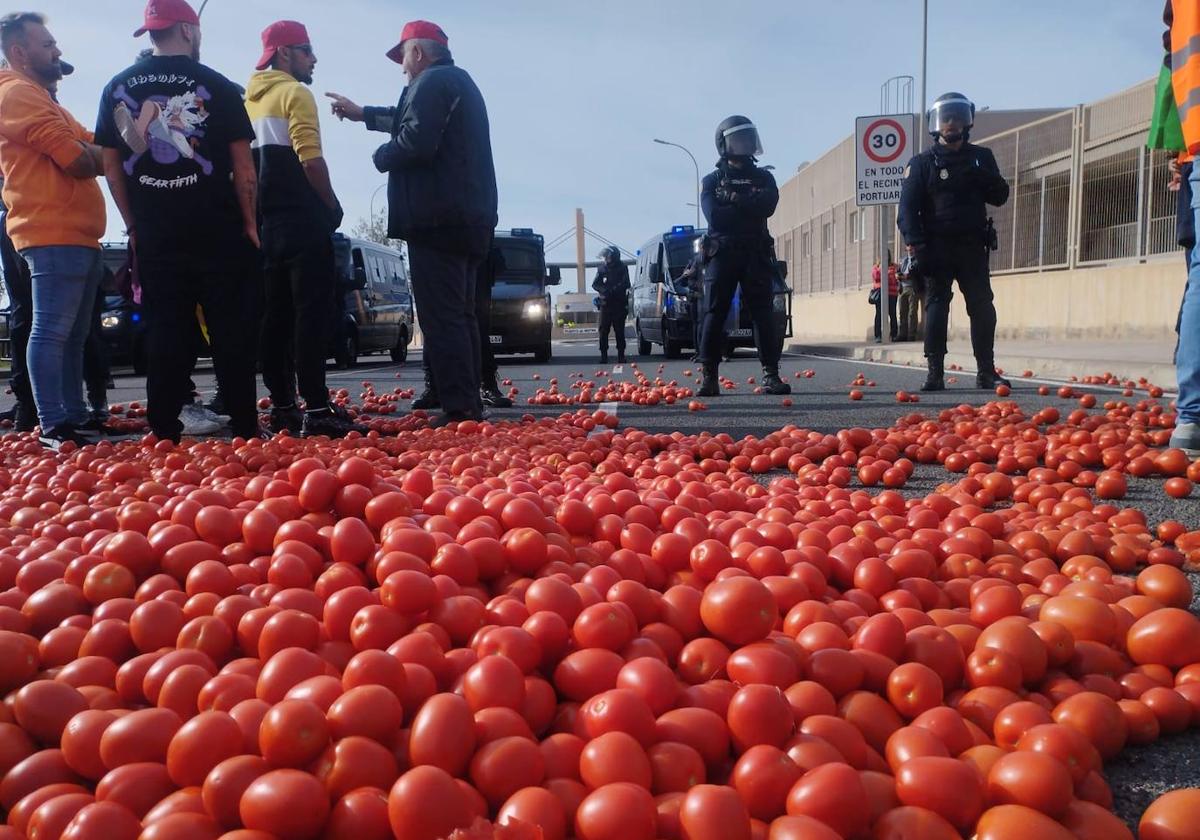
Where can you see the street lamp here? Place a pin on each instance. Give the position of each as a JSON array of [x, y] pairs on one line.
[[693, 157], [377, 189]]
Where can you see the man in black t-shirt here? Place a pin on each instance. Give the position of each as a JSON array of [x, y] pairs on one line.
[[176, 142]]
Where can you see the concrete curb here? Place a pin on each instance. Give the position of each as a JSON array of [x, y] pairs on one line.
[[1046, 367]]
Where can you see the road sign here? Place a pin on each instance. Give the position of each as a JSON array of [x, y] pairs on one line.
[[883, 146]]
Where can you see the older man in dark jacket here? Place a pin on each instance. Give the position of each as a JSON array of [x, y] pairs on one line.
[[441, 201]]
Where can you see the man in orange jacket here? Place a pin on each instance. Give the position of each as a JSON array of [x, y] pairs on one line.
[[56, 218], [1185, 83]]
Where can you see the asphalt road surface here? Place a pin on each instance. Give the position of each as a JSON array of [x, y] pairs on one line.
[[820, 403]]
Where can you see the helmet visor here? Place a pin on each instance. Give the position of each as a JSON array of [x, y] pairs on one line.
[[950, 116], [742, 141]]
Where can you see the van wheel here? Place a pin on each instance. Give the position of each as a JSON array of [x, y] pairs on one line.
[[644, 347], [347, 352], [543, 353], [400, 351]]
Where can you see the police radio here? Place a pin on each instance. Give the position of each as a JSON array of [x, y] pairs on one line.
[[990, 235]]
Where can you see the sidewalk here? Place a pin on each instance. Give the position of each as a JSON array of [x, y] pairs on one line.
[[1058, 360]]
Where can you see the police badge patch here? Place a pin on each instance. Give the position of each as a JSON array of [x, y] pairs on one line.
[[945, 175]]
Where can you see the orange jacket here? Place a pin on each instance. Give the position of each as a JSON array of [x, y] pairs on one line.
[[38, 140], [1185, 68]]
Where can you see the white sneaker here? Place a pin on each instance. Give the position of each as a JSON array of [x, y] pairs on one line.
[[1186, 437], [198, 420]]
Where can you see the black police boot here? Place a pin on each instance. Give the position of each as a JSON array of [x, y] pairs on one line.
[[620, 357], [772, 384], [604, 358], [491, 396], [711, 386], [936, 379], [989, 379], [429, 397], [289, 418]]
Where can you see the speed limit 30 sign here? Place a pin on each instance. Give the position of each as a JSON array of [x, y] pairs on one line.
[[883, 146]]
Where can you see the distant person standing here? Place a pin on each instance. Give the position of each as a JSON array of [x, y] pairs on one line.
[[943, 217], [441, 201], [907, 302], [612, 285], [300, 214], [176, 141], [55, 218], [893, 292]]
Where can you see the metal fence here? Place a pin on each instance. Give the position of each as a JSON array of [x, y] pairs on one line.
[[1085, 191]]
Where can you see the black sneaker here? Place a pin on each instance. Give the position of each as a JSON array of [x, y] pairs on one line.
[[490, 395], [97, 423], [427, 400], [289, 419], [991, 380], [711, 386], [448, 417], [772, 384], [331, 421], [56, 437]]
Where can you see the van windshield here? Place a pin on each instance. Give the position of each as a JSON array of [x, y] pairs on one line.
[[524, 263], [680, 250]]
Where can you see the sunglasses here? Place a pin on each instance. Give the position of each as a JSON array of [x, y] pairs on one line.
[[304, 48]]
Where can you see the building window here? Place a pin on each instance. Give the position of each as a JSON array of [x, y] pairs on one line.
[[805, 244], [854, 226], [827, 236]]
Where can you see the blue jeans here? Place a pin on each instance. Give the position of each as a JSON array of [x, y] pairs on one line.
[[64, 279]]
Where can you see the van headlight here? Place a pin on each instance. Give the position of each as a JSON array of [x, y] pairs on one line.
[[110, 319], [534, 310]]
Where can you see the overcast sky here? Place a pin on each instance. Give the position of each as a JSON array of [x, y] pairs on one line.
[[577, 91]]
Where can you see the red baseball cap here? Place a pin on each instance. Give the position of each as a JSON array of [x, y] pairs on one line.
[[422, 29], [161, 14], [281, 33]]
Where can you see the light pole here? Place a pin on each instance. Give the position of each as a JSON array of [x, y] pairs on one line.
[[696, 165], [377, 189], [924, 74]]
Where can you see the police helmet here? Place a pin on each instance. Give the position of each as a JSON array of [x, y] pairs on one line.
[[737, 137], [951, 117], [610, 251]]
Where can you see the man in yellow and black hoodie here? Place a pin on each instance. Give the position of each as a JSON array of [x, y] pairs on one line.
[[299, 213]]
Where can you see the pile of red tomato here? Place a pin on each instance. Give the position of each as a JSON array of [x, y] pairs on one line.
[[554, 629]]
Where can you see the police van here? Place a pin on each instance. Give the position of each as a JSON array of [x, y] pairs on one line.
[[521, 315], [373, 309], [662, 298]]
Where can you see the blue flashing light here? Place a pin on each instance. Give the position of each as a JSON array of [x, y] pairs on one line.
[[681, 230], [522, 231], [135, 317]]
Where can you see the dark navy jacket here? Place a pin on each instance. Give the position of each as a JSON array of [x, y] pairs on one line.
[[441, 178]]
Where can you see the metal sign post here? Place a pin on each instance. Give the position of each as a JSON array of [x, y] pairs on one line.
[[883, 146]]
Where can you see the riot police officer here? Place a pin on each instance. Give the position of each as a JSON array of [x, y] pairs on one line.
[[737, 200], [943, 218], [612, 285]]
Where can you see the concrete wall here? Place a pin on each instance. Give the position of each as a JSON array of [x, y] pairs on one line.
[[1130, 301]]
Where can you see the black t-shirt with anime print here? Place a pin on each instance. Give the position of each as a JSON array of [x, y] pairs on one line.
[[173, 120]]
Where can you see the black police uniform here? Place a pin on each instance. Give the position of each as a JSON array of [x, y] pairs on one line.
[[943, 215], [737, 201], [612, 284]]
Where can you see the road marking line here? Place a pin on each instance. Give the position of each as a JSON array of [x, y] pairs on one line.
[[1014, 379]]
